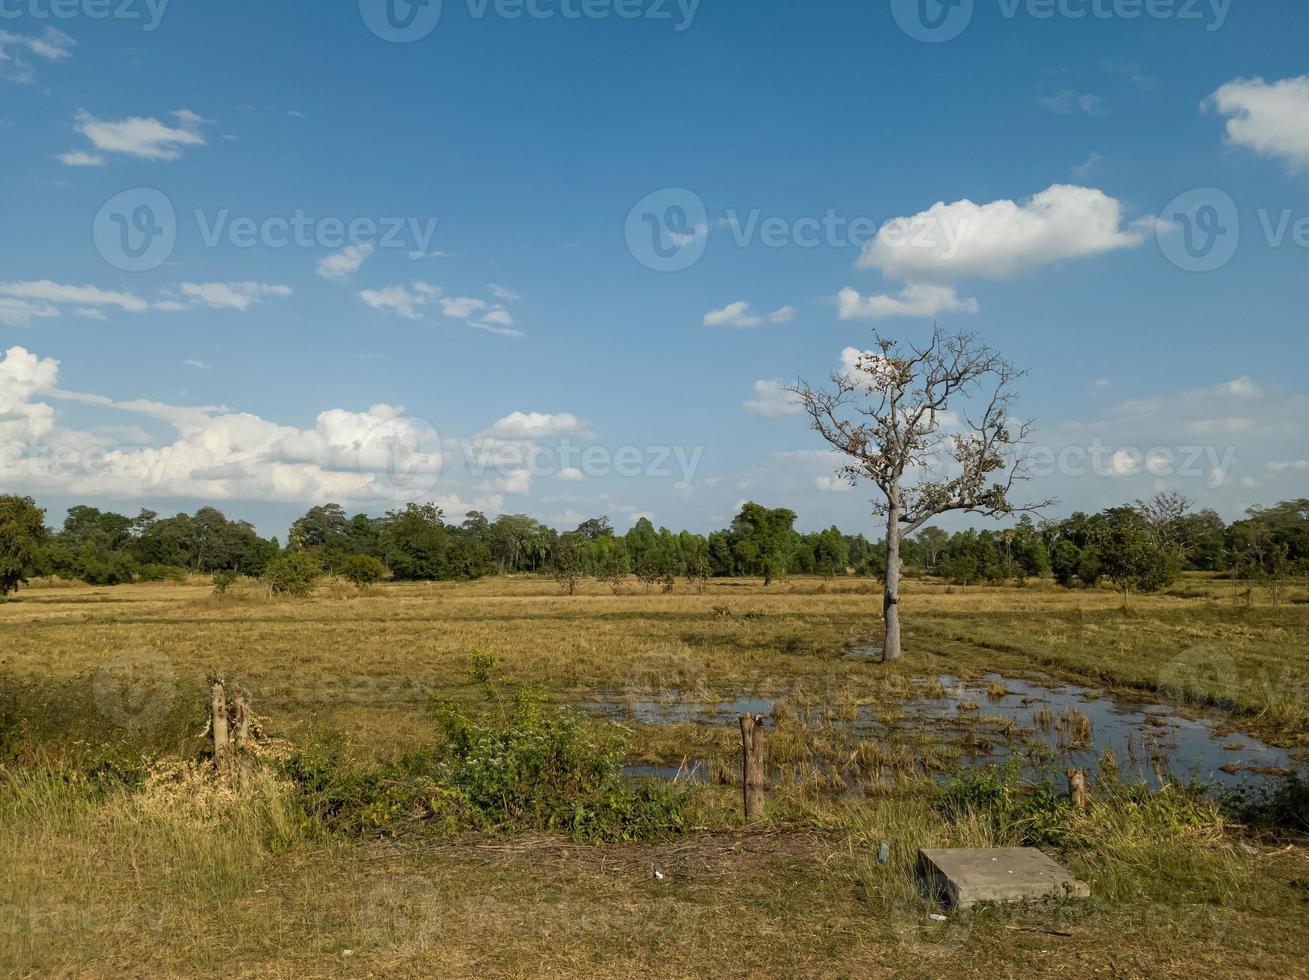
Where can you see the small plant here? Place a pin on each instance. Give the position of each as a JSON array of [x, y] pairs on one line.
[[224, 579], [480, 667]]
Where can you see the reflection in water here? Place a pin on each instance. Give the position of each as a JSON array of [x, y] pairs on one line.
[[1050, 727]]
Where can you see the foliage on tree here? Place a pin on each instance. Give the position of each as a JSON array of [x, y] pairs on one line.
[[362, 570], [22, 533], [292, 573]]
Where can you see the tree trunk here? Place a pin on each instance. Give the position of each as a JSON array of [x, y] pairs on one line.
[[891, 587], [752, 766]]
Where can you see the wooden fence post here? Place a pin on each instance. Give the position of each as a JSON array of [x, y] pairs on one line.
[[218, 715], [1077, 788], [752, 766], [241, 720]]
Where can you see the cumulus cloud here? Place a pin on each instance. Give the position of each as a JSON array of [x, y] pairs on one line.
[[537, 425], [738, 314], [216, 453], [142, 137], [771, 399], [913, 300], [1270, 118], [341, 265], [932, 250]]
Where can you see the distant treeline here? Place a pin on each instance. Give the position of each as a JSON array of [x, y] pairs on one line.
[[1156, 538]]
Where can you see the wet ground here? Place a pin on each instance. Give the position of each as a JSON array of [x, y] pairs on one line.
[[1049, 726]]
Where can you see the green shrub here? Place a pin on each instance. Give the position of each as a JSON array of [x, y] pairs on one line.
[[362, 570], [520, 764], [293, 573], [224, 580]]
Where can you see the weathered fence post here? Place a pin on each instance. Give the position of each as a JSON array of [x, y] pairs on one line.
[[752, 766], [218, 715], [1077, 788], [241, 720]]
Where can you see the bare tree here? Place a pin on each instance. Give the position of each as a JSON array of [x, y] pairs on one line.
[[887, 413]]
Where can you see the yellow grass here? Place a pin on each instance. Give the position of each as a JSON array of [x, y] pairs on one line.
[[184, 876]]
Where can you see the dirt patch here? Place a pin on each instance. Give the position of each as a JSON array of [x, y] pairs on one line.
[[701, 857]]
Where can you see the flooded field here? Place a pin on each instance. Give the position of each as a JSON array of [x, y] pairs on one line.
[[944, 722]]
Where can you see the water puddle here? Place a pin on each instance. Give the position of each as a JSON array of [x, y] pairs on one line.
[[1051, 726], [1075, 727]]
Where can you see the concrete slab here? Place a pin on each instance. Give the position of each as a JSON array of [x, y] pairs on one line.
[[964, 876]]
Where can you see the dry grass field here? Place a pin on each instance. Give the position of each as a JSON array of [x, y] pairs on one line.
[[179, 873]]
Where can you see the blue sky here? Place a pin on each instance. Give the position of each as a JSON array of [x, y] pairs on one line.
[[1056, 146]]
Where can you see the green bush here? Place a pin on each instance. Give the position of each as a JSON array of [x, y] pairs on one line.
[[293, 573], [520, 764], [362, 570], [224, 580]]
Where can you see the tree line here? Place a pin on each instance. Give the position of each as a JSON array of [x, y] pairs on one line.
[[1140, 547]]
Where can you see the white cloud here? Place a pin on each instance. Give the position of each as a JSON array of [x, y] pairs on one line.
[[461, 307], [1083, 171], [400, 300], [501, 293], [571, 473], [1270, 118], [19, 313], [948, 242], [230, 295], [738, 314], [215, 454], [1282, 466], [832, 484], [341, 265], [144, 138], [198, 365], [80, 158], [913, 300], [1068, 101], [499, 316], [771, 399], [420, 254], [537, 425], [46, 291], [53, 45]]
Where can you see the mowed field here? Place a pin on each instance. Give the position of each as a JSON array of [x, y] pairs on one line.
[[187, 876]]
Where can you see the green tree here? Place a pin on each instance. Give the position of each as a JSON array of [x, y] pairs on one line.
[[22, 533], [1131, 559], [762, 540]]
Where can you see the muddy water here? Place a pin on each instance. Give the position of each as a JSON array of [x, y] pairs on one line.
[[1050, 726]]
